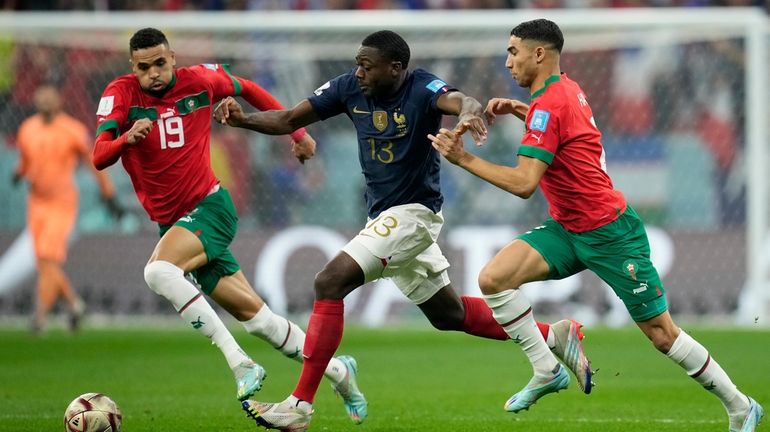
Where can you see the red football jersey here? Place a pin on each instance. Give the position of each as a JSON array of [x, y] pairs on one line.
[[171, 168], [561, 131]]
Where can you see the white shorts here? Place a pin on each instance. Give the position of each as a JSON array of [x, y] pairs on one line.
[[400, 244]]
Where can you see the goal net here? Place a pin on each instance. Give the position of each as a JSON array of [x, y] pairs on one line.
[[680, 97]]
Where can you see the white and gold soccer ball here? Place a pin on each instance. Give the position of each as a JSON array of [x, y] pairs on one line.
[[92, 412]]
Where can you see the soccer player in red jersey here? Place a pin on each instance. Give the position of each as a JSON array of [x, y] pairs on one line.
[[158, 121], [591, 225]]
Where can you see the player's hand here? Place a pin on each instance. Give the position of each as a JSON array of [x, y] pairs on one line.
[[476, 125], [229, 112], [501, 106], [114, 207], [450, 144], [304, 148], [139, 131]]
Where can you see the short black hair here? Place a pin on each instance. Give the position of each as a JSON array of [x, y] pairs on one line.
[[390, 44], [147, 38], [540, 30]]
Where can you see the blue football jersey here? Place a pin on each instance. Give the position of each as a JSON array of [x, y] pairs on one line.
[[399, 164]]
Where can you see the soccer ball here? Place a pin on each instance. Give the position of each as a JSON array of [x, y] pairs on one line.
[[92, 412]]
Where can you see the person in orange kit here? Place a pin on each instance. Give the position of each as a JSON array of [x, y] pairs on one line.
[[51, 143]]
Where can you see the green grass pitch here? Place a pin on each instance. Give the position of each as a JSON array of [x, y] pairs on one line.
[[415, 379]]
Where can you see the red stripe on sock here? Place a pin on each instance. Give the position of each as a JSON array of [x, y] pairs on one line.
[[513, 321], [186, 305], [703, 369], [322, 338], [288, 333]]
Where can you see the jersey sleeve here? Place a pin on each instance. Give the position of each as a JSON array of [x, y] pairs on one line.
[[221, 81], [430, 87], [111, 116], [543, 130], [113, 110], [328, 100]]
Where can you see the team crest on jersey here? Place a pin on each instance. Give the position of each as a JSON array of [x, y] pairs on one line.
[[401, 126], [539, 120], [380, 120]]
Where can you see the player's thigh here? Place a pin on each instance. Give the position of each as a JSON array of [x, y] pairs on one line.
[[200, 236], [422, 278], [619, 253], [543, 252], [209, 276], [394, 239], [51, 225], [235, 294]]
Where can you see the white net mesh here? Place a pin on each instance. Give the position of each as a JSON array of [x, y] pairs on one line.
[[669, 99]]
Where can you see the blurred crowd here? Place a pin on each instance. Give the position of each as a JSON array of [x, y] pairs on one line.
[[220, 5]]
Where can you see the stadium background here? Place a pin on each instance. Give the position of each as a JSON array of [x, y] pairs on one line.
[[669, 85]]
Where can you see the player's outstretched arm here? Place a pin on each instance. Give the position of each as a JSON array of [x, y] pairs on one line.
[[521, 180], [276, 122], [498, 106], [469, 112]]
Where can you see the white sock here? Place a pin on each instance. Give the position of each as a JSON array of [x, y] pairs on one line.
[[551, 338], [168, 281], [279, 332], [299, 403], [701, 367], [514, 313], [288, 338]]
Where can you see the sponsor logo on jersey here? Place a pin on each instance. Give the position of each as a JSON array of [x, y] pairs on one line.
[[105, 105], [435, 85], [321, 89], [539, 120], [359, 111], [380, 120]]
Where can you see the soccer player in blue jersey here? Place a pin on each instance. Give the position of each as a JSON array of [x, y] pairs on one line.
[[393, 110]]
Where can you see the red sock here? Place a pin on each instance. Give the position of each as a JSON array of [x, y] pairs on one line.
[[323, 336], [480, 322]]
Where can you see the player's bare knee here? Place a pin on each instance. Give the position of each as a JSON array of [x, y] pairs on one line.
[[490, 283], [326, 285]]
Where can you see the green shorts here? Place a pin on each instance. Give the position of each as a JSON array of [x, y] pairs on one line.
[[619, 253], [215, 221]]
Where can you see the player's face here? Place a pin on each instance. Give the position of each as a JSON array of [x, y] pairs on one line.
[[153, 67], [47, 100], [377, 76], [521, 61]]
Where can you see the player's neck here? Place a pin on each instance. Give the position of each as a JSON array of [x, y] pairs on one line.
[[48, 116], [396, 86], [540, 82]]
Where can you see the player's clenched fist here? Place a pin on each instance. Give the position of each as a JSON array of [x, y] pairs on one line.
[[229, 112], [139, 131], [303, 148]]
